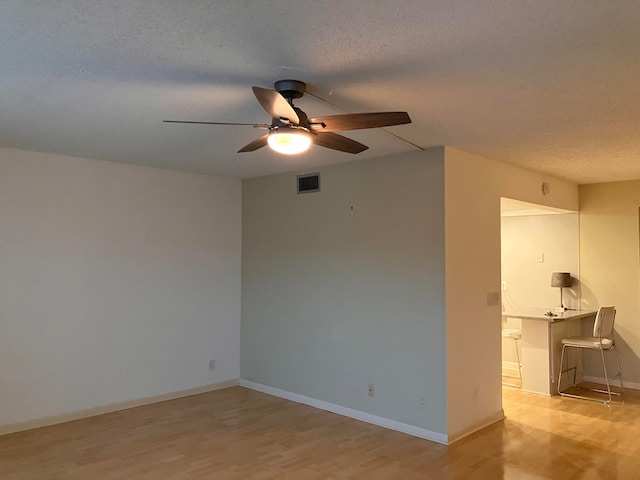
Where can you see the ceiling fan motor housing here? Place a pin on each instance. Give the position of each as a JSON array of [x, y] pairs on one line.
[[290, 89], [283, 122]]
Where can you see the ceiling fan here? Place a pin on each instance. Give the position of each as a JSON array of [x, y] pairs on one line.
[[291, 131]]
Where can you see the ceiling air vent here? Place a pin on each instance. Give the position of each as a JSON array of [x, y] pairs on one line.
[[308, 183]]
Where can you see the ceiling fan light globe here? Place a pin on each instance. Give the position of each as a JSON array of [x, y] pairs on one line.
[[289, 142]]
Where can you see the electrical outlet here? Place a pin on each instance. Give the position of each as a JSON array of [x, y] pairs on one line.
[[422, 404], [372, 390], [212, 364]]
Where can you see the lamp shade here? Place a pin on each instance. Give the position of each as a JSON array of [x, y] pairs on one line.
[[561, 279]]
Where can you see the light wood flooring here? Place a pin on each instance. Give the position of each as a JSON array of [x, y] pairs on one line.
[[237, 433]]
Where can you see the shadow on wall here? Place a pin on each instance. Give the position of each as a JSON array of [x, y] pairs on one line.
[[572, 294], [589, 300]]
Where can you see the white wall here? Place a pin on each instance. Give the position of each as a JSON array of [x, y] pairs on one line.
[[345, 287], [117, 282], [473, 189], [610, 267]]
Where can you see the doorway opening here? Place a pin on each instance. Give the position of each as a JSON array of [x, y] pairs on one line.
[[536, 241]]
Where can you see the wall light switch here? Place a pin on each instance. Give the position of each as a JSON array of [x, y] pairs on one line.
[[541, 258], [504, 285]]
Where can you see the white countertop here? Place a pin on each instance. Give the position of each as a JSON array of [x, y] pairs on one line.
[[538, 313]]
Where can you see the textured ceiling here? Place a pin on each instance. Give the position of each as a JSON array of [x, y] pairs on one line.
[[545, 84]]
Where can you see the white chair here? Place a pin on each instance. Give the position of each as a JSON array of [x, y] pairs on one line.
[[602, 341], [514, 334]]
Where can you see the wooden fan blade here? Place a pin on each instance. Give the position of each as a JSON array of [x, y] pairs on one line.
[[275, 104], [357, 121], [254, 125], [255, 145], [338, 142]]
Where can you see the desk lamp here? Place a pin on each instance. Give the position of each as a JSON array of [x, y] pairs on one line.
[[561, 280]]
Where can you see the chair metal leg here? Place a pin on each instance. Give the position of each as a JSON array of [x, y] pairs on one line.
[[618, 365], [607, 392], [563, 370], [579, 361], [619, 374], [560, 374], [515, 340], [519, 376], [606, 376]]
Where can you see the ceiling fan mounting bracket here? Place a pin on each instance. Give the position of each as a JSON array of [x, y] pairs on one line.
[[290, 89]]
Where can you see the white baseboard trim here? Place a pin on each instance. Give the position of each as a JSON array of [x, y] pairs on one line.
[[615, 383], [348, 412], [510, 366], [113, 407], [497, 417]]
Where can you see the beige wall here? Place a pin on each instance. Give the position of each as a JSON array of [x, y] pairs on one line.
[[117, 282], [527, 279], [610, 266], [473, 187]]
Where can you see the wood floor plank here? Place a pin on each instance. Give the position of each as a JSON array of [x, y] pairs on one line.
[[237, 433]]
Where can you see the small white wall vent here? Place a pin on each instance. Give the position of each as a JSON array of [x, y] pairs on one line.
[[309, 183]]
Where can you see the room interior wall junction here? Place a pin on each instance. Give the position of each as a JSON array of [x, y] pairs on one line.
[[474, 186]]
